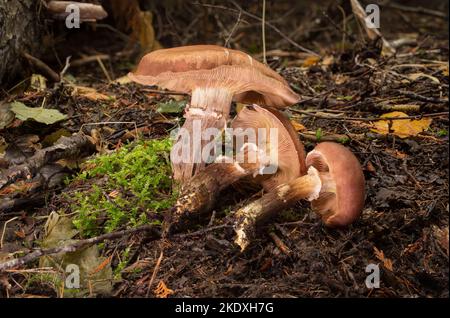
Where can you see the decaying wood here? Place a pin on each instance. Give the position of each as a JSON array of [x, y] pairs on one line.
[[88, 12], [73, 147], [272, 202]]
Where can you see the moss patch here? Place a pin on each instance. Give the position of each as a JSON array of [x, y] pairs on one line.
[[131, 186]]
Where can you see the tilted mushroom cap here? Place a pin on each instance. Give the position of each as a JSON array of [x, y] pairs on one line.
[[290, 151], [186, 68], [342, 196]]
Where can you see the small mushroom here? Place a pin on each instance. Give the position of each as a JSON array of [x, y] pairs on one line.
[[290, 153], [199, 194], [334, 184], [214, 76], [341, 198]]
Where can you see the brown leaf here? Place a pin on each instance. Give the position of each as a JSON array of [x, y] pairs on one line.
[[298, 126], [379, 254], [370, 167], [310, 61], [162, 291], [441, 235], [395, 153]]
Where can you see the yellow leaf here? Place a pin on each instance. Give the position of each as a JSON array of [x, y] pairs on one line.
[[401, 127], [162, 291], [297, 126], [310, 61]]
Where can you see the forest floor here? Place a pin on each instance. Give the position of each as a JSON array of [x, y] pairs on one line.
[[403, 228]]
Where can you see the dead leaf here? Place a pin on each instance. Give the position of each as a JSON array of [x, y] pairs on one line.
[[114, 194], [370, 167], [90, 93], [397, 154], [38, 83], [416, 76], [18, 187], [95, 271], [441, 235], [341, 79], [162, 291], [379, 254], [328, 60], [402, 128], [20, 234], [297, 126], [102, 265], [39, 114], [310, 61]]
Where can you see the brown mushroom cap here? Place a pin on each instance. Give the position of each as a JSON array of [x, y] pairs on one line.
[[342, 196], [189, 67], [198, 57], [291, 154]]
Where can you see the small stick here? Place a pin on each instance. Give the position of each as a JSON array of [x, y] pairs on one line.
[[74, 247], [155, 271], [280, 244], [42, 66]]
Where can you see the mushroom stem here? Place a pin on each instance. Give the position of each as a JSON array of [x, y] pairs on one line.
[[199, 194], [209, 109], [305, 187]]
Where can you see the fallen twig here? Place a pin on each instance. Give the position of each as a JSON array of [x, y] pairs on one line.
[[367, 118], [51, 74], [280, 244], [75, 246]]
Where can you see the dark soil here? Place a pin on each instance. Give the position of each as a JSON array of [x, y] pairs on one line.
[[404, 225]]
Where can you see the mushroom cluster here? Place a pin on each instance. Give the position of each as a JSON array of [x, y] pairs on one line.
[[330, 176], [214, 76]]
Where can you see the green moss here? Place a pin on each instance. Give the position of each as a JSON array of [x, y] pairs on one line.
[[128, 187]]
